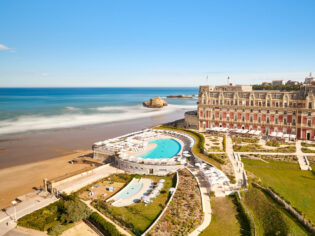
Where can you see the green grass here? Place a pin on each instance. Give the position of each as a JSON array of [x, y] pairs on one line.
[[307, 150], [258, 148], [304, 144], [138, 217], [295, 186], [56, 217], [269, 218], [224, 218], [239, 140]]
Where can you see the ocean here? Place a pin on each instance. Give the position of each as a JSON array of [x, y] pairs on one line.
[[31, 109]]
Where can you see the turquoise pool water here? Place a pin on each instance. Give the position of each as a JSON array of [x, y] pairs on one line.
[[130, 190], [165, 148]]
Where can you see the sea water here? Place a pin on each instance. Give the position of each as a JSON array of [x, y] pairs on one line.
[[26, 109]]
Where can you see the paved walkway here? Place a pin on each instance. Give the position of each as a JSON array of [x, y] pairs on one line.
[[302, 159], [33, 203], [120, 229], [235, 159], [206, 207]]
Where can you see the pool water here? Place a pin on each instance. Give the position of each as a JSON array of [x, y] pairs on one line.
[[165, 148], [130, 190]]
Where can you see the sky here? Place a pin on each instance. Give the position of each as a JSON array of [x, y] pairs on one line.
[[99, 43]]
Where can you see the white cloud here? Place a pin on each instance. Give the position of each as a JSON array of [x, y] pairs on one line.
[[44, 74], [3, 47]]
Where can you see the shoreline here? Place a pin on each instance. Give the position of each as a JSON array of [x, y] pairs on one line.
[[30, 157], [29, 147]]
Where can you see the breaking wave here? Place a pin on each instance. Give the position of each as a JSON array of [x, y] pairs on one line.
[[40, 122]]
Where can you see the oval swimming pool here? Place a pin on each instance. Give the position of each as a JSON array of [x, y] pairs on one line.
[[165, 148]]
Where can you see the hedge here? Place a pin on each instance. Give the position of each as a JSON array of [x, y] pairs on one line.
[[247, 224], [104, 226]]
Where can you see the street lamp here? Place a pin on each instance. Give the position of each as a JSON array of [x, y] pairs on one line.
[[14, 204]]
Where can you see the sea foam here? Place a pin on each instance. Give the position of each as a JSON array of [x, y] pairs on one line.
[[67, 120]]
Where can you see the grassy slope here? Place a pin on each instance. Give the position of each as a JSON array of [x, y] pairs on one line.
[[294, 185], [268, 215], [138, 216], [223, 221]]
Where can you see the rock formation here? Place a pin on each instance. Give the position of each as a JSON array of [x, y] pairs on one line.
[[156, 102]]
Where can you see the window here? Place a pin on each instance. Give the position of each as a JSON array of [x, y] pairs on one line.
[[309, 113], [293, 121], [221, 102], [276, 111], [235, 102], [309, 123], [259, 104], [294, 113], [285, 121], [268, 120], [276, 120], [251, 110], [235, 117], [277, 104], [243, 110], [259, 119], [259, 111], [243, 118], [268, 103], [213, 102], [220, 116], [268, 111], [251, 118], [294, 104], [285, 112], [285, 104], [310, 105], [252, 103]]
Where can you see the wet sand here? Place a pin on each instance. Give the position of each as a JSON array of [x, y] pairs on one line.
[[17, 149], [26, 159]]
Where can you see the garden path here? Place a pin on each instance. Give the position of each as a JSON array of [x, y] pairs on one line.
[[120, 229], [206, 207]]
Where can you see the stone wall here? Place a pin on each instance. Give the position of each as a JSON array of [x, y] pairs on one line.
[[191, 120]]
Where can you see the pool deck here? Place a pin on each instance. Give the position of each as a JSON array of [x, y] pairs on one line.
[[119, 202]]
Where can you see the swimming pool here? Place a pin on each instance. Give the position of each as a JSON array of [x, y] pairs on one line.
[[165, 148], [130, 190]]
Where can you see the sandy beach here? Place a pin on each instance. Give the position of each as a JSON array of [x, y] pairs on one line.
[[18, 180], [17, 149], [26, 159]]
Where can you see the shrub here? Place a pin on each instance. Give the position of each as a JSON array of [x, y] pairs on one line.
[[224, 143], [247, 224], [56, 215], [104, 226], [218, 158], [273, 143]]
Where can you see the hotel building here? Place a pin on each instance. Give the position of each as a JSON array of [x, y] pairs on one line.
[[241, 107]]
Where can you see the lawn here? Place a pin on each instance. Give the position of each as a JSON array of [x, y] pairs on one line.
[[56, 217], [139, 216], [286, 179], [224, 218], [269, 218]]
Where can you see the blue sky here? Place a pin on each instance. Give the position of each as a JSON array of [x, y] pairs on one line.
[[154, 43]]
